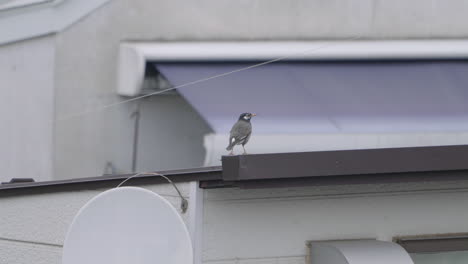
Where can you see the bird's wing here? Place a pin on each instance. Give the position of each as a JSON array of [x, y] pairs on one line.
[[241, 130], [246, 139]]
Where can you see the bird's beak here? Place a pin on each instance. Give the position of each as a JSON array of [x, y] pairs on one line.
[[254, 114]]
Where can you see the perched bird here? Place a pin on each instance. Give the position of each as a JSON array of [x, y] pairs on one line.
[[240, 132]]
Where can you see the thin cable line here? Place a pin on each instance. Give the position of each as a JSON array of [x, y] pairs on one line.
[[184, 202], [72, 116], [30, 242]]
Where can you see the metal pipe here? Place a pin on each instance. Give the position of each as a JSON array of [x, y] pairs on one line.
[[136, 132]]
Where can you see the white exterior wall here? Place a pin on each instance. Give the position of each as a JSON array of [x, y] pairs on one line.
[[33, 227], [253, 226], [26, 109], [272, 225]]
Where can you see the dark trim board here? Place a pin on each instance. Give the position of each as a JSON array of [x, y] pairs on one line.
[[345, 167], [434, 243], [109, 181], [383, 178], [345, 162]]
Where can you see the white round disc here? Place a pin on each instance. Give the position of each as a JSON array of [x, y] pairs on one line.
[[127, 225]]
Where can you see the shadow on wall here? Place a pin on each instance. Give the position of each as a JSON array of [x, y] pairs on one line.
[[171, 134]]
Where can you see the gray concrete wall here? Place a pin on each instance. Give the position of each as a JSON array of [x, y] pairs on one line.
[[171, 131], [26, 109], [85, 69], [276, 19], [171, 135]]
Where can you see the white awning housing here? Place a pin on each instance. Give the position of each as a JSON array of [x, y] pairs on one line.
[[134, 55], [358, 252]]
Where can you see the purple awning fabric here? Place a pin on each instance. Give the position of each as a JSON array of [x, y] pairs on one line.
[[324, 97]]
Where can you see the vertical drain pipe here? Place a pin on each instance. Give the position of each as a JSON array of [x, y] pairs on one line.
[[136, 132]]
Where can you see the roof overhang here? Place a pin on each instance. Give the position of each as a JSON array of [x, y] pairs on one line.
[[345, 167], [344, 162], [443, 165], [110, 181], [134, 55]]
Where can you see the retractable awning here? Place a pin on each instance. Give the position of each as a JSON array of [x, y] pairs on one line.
[[317, 97]]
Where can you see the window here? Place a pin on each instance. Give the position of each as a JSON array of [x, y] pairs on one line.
[[440, 249], [455, 257]]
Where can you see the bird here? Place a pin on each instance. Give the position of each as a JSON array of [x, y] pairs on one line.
[[240, 132]]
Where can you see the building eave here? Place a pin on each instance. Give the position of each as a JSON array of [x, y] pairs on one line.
[[110, 181], [444, 165], [345, 162]]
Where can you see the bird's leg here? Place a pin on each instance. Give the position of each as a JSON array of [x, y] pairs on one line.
[[232, 152], [245, 152]]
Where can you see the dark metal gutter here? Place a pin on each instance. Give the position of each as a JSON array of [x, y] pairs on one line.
[[345, 162], [381, 178], [434, 243], [365, 166], [109, 181]]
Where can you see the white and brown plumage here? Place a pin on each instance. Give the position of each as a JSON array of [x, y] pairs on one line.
[[240, 132]]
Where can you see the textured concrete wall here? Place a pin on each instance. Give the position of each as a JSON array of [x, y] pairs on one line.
[[26, 109], [171, 135], [33, 227], [171, 131], [277, 19], [85, 70], [273, 225]]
